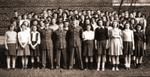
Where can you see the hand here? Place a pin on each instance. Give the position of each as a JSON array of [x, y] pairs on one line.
[[133, 48], [6, 47]]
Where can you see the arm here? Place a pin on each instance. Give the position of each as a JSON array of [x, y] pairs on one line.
[[6, 41], [19, 40], [132, 36]]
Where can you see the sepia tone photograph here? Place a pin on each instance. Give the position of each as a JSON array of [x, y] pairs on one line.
[[74, 38]]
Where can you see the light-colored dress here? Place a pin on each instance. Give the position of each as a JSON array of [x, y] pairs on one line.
[[24, 37], [115, 42]]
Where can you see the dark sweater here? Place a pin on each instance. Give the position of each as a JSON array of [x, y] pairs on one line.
[[101, 34]]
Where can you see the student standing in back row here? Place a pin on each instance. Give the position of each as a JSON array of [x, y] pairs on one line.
[[11, 45]]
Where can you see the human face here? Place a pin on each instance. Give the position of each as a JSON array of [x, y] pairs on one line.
[[127, 26], [138, 27], [34, 28], [115, 24], [100, 22], [23, 27], [35, 23], [88, 28], [53, 21], [12, 28]]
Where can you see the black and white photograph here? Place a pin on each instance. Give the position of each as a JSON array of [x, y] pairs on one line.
[[74, 38]]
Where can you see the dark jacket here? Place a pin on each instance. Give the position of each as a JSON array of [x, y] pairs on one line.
[[46, 39], [60, 39], [74, 37]]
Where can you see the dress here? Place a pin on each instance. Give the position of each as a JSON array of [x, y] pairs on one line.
[[24, 38], [139, 38], [115, 42]]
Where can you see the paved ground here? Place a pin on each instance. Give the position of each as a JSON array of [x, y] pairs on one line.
[[145, 72]]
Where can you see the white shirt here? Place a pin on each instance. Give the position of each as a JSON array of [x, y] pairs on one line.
[[11, 37], [54, 27], [128, 35], [88, 35], [24, 37]]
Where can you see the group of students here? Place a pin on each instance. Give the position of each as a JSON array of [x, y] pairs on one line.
[[64, 38]]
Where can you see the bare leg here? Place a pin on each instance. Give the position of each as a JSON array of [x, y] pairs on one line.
[[103, 62], [98, 63], [13, 62], [8, 62]]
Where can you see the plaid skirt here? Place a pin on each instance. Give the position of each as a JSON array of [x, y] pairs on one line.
[[11, 50], [23, 51]]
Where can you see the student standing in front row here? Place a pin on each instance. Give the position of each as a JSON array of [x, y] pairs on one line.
[[128, 44], [115, 45], [101, 36], [140, 40], [74, 42], [10, 45], [88, 41], [60, 34], [47, 45], [34, 46], [23, 49]]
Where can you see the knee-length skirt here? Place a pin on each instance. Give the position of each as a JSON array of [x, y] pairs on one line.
[[127, 48], [115, 47], [11, 50], [23, 51], [139, 49], [88, 48]]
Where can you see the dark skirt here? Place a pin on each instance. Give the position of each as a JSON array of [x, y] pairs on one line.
[[101, 47], [11, 50], [36, 51], [139, 49], [23, 51], [88, 48], [127, 48]]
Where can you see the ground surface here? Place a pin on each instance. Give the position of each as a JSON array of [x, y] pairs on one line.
[[145, 72]]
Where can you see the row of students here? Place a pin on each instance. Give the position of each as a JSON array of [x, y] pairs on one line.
[[72, 42], [75, 35]]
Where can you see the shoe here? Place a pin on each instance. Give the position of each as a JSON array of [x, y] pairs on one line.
[[113, 69], [70, 67], [57, 67], [97, 69], [117, 69], [103, 69]]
